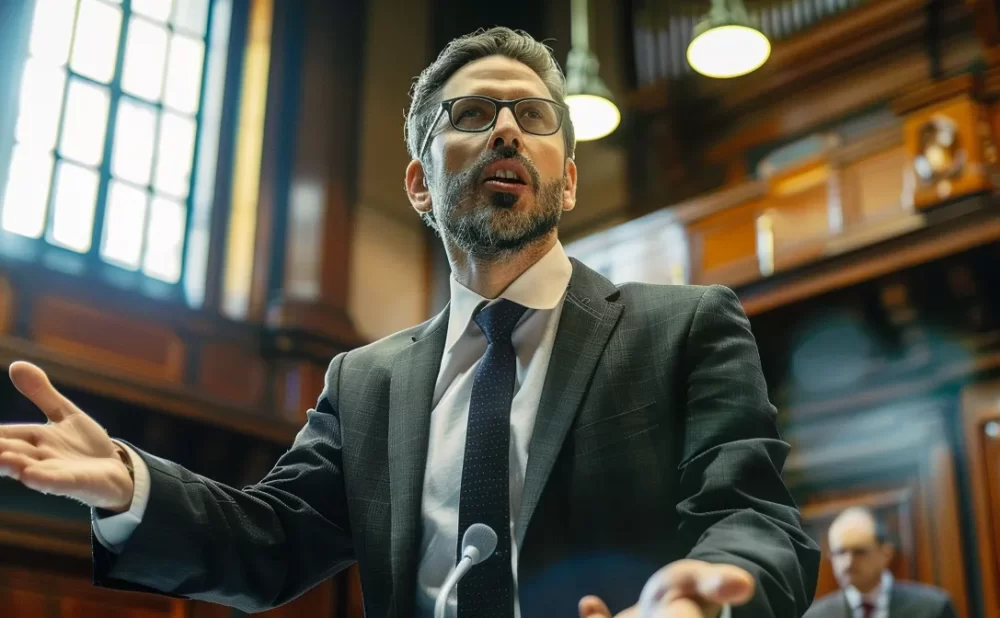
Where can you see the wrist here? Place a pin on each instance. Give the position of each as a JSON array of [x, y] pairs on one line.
[[128, 487]]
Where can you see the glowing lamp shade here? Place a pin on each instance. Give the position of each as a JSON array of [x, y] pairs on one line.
[[593, 116], [591, 105], [729, 50]]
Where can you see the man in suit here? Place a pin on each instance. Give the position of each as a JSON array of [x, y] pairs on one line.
[[860, 554], [605, 432]]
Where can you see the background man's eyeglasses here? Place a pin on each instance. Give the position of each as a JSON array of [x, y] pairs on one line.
[[475, 114]]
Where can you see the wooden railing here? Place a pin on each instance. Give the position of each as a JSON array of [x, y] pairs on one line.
[[921, 168]]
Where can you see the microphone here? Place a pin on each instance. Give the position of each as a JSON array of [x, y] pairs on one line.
[[478, 543]]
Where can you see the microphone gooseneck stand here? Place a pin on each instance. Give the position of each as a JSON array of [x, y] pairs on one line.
[[478, 543]]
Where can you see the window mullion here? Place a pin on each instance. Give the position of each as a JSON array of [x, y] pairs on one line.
[[198, 124], [49, 209], [104, 182]]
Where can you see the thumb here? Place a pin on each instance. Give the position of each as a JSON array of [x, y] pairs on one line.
[[726, 584], [35, 385], [593, 607]]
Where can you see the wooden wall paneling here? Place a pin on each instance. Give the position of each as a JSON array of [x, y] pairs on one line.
[[41, 533], [319, 602], [724, 246], [180, 401], [853, 259], [981, 433], [310, 293], [353, 603], [6, 305], [800, 206], [945, 531], [298, 384], [230, 371], [38, 594], [123, 344], [876, 187], [987, 18]]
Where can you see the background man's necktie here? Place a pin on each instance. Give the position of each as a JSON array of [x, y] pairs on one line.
[[867, 609], [487, 591]]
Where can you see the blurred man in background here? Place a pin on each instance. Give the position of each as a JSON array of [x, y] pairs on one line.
[[861, 555]]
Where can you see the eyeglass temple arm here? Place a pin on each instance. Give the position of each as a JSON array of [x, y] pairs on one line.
[[430, 131]]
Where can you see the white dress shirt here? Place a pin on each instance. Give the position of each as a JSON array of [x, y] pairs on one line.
[[541, 288], [878, 597]]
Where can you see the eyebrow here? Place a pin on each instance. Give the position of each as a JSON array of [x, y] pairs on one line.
[[516, 92]]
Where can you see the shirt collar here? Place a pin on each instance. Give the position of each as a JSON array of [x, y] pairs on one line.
[[878, 596], [542, 286]]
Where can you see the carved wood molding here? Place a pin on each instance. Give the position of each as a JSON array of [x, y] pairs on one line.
[[981, 431], [178, 400], [922, 239]]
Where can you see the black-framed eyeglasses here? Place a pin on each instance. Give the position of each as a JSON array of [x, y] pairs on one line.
[[478, 113]]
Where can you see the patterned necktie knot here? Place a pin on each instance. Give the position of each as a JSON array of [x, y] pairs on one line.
[[498, 320]]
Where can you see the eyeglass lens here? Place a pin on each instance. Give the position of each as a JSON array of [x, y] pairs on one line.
[[535, 116]]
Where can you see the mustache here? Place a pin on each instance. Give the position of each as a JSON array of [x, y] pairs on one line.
[[507, 152]]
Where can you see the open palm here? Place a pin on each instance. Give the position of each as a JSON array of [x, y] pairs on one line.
[[70, 456]]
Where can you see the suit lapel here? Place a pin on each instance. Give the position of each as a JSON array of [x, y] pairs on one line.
[[414, 374], [896, 602], [589, 314]]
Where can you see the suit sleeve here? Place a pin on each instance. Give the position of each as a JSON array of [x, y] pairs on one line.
[[252, 548], [734, 506]]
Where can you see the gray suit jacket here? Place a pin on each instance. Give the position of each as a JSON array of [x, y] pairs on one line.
[[907, 600], [654, 441]]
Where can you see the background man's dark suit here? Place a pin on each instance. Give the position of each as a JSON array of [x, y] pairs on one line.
[[654, 441], [907, 600]]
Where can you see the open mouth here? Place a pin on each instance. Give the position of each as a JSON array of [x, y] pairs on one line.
[[504, 178]]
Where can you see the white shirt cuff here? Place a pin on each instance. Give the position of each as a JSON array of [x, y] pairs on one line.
[[113, 532], [726, 612]]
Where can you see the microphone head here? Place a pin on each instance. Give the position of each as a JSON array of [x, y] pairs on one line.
[[481, 537]]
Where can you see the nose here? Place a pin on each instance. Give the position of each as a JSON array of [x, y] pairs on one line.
[[506, 131]]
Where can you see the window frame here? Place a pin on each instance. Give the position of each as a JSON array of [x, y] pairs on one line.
[[18, 251]]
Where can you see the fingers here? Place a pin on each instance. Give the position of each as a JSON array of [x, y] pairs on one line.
[[682, 608], [24, 448], [707, 585], [12, 464], [35, 385], [32, 434], [725, 583], [593, 607]]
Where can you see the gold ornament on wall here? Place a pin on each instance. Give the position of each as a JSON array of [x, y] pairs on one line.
[[941, 157]]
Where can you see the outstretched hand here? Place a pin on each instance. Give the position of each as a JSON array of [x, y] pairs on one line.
[[685, 589], [70, 456]]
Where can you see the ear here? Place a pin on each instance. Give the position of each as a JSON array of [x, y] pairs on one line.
[[416, 187], [569, 192], [888, 551]]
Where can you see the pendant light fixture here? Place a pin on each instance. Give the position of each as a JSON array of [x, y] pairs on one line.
[[727, 43], [591, 105]]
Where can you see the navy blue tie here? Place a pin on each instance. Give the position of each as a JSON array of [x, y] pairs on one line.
[[487, 591]]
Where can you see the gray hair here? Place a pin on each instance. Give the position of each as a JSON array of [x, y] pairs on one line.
[[425, 95]]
